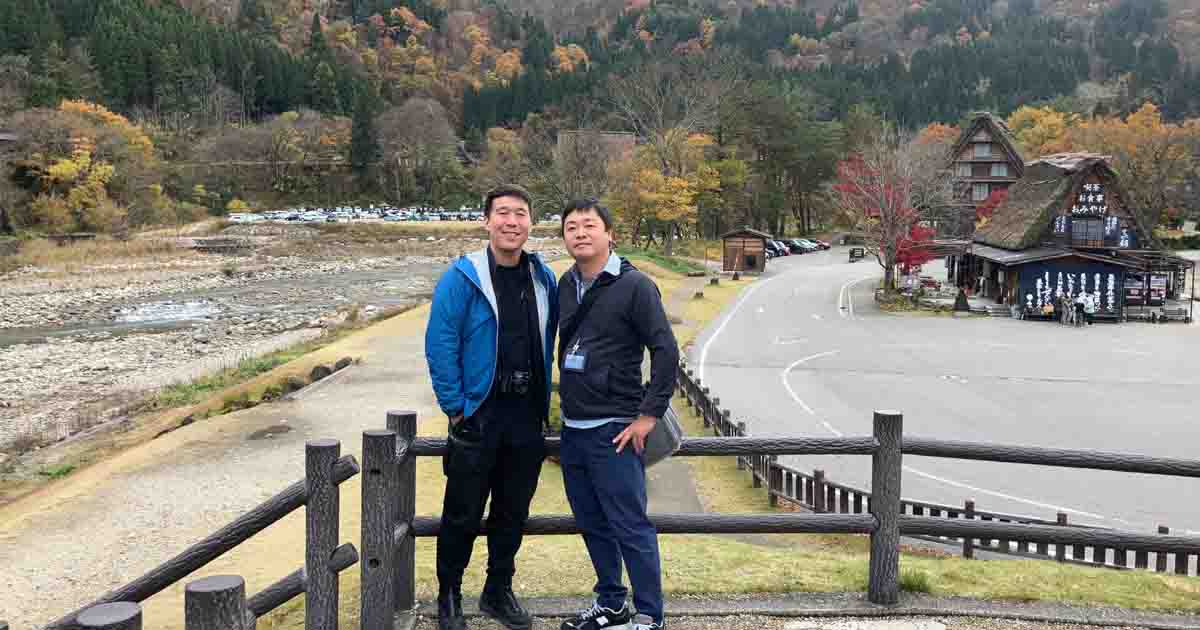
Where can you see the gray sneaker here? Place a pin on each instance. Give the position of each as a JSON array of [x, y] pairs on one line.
[[644, 622]]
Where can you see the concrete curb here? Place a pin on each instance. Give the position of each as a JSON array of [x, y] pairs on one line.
[[856, 605]]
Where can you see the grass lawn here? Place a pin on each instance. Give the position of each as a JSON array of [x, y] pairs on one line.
[[716, 564]]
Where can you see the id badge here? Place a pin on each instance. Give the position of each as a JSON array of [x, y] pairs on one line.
[[575, 361]]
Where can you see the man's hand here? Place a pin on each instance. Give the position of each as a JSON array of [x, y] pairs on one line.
[[636, 431]]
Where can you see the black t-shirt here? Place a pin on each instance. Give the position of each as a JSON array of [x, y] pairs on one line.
[[519, 349]]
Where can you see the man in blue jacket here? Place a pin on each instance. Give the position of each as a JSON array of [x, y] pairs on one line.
[[489, 344], [611, 314]]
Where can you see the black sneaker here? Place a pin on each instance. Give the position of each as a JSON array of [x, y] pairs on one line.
[[598, 618], [502, 605]]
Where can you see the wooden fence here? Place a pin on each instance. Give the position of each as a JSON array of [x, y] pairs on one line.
[[815, 492], [390, 525]]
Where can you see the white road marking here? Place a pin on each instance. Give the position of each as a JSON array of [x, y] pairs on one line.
[[846, 301], [783, 377], [725, 322], [816, 317]]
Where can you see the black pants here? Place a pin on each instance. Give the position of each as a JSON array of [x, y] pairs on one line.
[[503, 460]]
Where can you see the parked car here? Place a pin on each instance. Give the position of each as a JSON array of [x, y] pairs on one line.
[[822, 244], [800, 246], [776, 248]]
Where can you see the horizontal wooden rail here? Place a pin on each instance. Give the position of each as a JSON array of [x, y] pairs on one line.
[[921, 525], [700, 523], [214, 545], [1042, 456], [706, 446], [296, 583]]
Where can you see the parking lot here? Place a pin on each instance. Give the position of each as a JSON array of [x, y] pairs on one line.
[[354, 214]]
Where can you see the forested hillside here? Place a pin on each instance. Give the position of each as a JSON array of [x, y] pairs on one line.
[[306, 101]]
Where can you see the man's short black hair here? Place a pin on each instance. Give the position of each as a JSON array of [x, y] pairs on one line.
[[506, 190], [580, 205]]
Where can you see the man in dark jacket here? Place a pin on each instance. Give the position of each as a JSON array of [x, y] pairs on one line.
[[489, 344], [611, 313]]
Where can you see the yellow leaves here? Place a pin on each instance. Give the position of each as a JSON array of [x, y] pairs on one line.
[[414, 24], [708, 31], [804, 45], [569, 58], [425, 66], [133, 134], [1042, 130], [937, 133], [508, 65], [67, 170], [237, 205], [478, 54]]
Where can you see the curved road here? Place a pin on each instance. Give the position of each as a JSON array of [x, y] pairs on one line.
[[805, 352]]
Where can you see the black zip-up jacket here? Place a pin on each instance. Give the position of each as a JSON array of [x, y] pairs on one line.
[[626, 318]]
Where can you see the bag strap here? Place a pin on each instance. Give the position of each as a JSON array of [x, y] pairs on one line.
[[581, 313]]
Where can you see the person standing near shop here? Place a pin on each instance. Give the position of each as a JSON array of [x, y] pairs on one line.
[[612, 313], [1089, 306], [489, 344]]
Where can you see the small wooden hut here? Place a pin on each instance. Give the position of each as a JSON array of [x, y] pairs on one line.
[[745, 250]]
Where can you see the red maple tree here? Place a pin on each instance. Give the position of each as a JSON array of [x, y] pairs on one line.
[[884, 191]]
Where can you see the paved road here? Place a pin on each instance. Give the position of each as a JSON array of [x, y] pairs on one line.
[[804, 352]]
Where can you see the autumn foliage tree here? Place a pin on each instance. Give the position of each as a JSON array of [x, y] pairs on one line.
[[884, 191]]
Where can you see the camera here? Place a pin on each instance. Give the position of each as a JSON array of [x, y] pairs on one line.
[[515, 382]]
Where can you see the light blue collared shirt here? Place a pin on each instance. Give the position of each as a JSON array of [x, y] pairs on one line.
[[612, 268]]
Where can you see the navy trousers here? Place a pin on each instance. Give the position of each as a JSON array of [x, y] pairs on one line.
[[607, 492]]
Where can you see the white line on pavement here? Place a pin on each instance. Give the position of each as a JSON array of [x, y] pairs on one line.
[[725, 322], [783, 377], [846, 300]]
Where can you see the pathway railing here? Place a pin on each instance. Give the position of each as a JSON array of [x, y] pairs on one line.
[[390, 525], [817, 493]]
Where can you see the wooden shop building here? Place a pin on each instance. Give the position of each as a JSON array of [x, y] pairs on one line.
[[1067, 227]]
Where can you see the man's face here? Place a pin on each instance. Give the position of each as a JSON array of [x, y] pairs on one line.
[[585, 234], [508, 223]]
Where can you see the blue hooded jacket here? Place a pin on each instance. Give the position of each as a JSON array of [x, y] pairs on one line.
[[461, 337]]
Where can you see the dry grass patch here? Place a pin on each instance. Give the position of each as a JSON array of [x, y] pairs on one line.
[[46, 254]]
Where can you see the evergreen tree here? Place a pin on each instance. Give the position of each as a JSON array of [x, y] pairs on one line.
[[318, 47], [364, 139], [323, 90]]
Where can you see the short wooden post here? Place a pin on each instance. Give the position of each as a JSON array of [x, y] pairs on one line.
[[740, 431], [886, 467], [687, 387], [218, 602], [713, 411], [773, 481], [322, 513], [756, 470], [1141, 559], [379, 496], [114, 616], [1060, 550], [723, 421], [1181, 564], [404, 424], [1160, 557], [818, 488]]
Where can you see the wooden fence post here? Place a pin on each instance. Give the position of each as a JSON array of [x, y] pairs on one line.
[[321, 534], [1160, 557], [968, 543], [114, 616], [773, 481], [218, 602], [1060, 550], [740, 431], [886, 467], [723, 421], [379, 497], [404, 424], [712, 412], [819, 492]]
